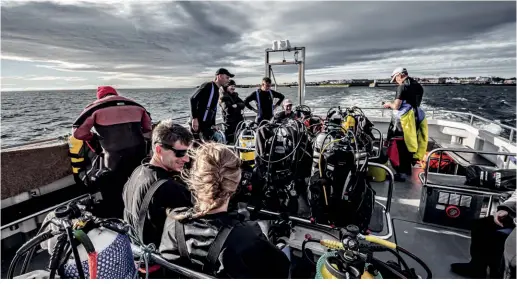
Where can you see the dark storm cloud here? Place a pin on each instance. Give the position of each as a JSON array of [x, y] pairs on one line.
[[95, 35], [189, 38]]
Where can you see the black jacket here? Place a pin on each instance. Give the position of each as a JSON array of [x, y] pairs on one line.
[[199, 103], [231, 114], [172, 194], [279, 116], [246, 254]]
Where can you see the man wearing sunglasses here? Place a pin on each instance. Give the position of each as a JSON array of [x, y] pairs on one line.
[[156, 185]]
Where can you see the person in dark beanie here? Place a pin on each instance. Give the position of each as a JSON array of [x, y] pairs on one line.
[[232, 108]]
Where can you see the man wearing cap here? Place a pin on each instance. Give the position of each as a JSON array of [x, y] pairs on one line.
[[264, 98], [407, 133], [203, 104], [287, 112], [409, 90]]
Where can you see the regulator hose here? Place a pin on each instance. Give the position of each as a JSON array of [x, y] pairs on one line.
[[83, 238], [25, 248]]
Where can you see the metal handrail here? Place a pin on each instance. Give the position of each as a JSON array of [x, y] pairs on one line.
[[41, 212], [187, 272], [512, 130]]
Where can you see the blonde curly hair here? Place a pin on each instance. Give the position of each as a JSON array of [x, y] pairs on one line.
[[213, 179]]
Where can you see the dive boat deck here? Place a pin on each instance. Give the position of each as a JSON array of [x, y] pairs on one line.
[[437, 246]]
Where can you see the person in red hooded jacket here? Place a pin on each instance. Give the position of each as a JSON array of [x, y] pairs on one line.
[[120, 125]]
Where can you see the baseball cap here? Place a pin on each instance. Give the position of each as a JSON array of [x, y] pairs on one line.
[[224, 71], [287, 102], [231, 83], [398, 70]]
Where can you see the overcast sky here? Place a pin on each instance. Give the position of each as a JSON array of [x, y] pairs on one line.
[[138, 44]]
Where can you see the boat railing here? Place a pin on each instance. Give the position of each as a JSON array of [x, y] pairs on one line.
[[470, 117], [437, 114], [491, 194]]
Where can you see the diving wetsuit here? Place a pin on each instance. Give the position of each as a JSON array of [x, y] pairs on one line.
[[264, 101], [231, 107], [246, 253], [203, 106], [171, 194], [120, 124]]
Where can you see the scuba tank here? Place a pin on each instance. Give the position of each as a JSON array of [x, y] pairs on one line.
[[335, 265], [76, 152], [114, 256], [84, 159], [349, 123], [247, 140]]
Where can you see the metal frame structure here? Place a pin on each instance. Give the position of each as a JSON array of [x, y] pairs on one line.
[[300, 63], [466, 189]]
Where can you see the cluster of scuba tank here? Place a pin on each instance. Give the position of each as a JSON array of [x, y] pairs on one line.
[[309, 167]]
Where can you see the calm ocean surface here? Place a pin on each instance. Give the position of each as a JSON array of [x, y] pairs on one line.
[[36, 115]]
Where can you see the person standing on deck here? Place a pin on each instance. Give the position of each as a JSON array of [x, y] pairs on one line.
[[232, 107], [203, 104], [120, 125], [407, 133], [264, 98]]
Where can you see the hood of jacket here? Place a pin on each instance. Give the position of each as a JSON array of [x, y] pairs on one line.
[[103, 91]]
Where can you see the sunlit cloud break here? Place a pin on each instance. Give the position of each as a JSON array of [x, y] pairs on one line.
[[161, 44]]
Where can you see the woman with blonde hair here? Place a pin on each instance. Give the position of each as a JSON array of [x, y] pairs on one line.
[[206, 237]]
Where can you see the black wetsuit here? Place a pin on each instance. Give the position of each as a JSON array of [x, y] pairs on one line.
[[231, 107], [264, 101], [203, 106], [172, 194], [282, 115], [246, 253]]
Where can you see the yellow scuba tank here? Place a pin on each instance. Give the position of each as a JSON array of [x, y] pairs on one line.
[[349, 123], [76, 153], [247, 139]]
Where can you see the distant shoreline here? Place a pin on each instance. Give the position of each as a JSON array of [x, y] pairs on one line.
[[283, 86]]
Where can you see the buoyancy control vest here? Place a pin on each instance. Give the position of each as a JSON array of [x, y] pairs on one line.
[[339, 192], [279, 174]]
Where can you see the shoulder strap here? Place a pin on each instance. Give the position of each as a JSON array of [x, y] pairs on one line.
[[209, 102], [215, 249], [179, 231], [272, 101], [142, 213]]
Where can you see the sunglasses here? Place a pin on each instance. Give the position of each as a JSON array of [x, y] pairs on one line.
[[178, 153]]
